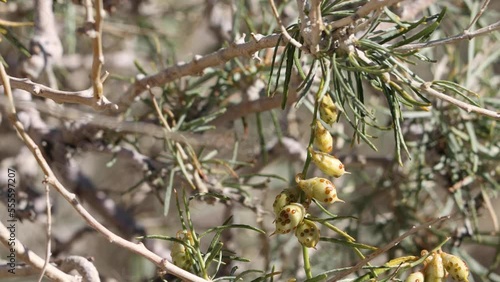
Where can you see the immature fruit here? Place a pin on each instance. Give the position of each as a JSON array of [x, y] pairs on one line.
[[179, 254], [307, 233], [456, 267], [415, 277], [327, 110], [328, 164], [284, 198], [323, 140], [434, 270], [289, 217], [319, 188]]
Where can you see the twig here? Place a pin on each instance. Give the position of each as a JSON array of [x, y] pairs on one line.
[[317, 25], [465, 35], [362, 12], [51, 179], [284, 32], [426, 87], [83, 97], [387, 247], [479, 14], [49, 232], [98, 57]]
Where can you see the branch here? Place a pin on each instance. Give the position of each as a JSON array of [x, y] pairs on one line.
[[284, 32], [98, 57], [362, 12], [465, 35], [198, 64], [317, 25], [71, 198], [31, 258], [83, 97]]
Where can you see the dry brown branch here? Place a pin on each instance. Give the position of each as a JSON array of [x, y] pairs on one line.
[[387, 247], [71, 198], [98, 57], [198, 64], [83, 97]]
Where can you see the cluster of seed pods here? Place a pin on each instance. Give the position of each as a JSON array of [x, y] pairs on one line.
[[290, 214], [437, 266]]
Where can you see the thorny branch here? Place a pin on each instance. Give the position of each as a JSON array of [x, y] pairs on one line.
[[362, 12], [200, 63], [84, 97], [284, 32]]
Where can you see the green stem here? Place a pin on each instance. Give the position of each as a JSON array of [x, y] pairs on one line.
[[307, 263]]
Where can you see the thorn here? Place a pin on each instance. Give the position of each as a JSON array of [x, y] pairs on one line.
[[256, 37]]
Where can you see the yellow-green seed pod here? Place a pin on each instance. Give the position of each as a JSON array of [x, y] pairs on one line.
[[456, 267], [307, 233], [434, 270], [180, 257], [284, 198], [323, 140], [319, 188], [289, 218], [328, 112], [328, 164], [415, 277]]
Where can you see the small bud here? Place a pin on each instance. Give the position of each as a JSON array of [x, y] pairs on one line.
[[289, 217], [284, 198], [307, 233], [456, 267], [328, 112], [320, 189], [415, 277], [323, 140], [328, 164]]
